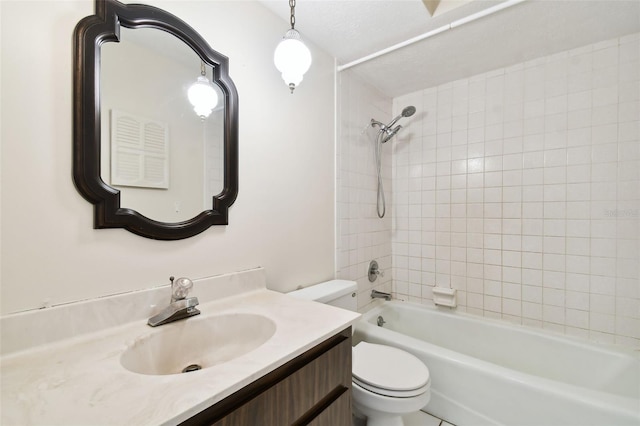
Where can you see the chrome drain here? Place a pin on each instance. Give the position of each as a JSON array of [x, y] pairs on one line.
[[192, 367]]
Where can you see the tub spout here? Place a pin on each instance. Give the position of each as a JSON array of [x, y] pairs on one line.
[[375, 294]]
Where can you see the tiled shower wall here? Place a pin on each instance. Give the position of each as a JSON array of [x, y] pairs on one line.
[[361, 235], [520, 188]]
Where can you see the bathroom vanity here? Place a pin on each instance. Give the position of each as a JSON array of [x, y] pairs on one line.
[[266, 359]]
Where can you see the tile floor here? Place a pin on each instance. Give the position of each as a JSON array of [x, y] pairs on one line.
[[419, 418]]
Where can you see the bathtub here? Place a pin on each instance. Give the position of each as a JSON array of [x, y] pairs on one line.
[[487, 372]]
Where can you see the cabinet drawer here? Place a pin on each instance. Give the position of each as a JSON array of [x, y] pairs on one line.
[[336, 414], [303, 391]]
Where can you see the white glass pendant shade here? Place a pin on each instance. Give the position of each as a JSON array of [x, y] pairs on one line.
[[292, 58], [203, 97]]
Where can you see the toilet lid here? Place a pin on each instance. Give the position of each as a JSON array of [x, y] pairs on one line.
[[381, 367]]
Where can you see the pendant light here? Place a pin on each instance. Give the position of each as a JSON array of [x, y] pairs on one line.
[[202, 95], [292, 58]]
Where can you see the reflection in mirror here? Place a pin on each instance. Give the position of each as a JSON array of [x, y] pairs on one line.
[[163, 157]]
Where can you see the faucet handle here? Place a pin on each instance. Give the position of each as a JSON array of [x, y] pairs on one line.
[[180, 288], [374, 271]]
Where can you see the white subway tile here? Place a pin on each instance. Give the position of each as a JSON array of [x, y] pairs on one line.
[[580, 60], [555, 175], [555, 157], [628, 327], [512, 210], [604, 266], [578, 174], [579, 137], [604, 77], [553, 314], [512, 177], [534, 176], [532, 227], [532, 260], [580, 82], [604, 115], [577, 300], [492, 241], [512, 307], [493, 147], [627, 248], [578, 192], [604, 96], [578, 246], [629, 111], [554, 262], [627, 307], [512, 242], [601, 322], [579, 119], [533, 159], [531, 311], [627, 268], [577, 282], [577, 318], [532, 277], [579, 100], [530, 243], [532, 294], [512, 274], [492, 195]]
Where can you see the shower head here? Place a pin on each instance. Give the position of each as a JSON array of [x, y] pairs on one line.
[[407, 112], [390, 132]]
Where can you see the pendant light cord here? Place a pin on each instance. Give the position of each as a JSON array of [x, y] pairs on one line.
[[292, 5]]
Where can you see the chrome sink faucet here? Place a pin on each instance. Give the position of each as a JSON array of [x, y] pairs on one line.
[[180, 307]]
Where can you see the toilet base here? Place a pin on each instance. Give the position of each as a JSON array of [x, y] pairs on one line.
[[385, 421], [381, 410], [380, 419]]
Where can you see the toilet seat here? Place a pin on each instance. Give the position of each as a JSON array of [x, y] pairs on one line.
[[389, 371]]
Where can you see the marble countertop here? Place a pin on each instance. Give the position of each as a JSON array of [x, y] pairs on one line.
[[80, 381]]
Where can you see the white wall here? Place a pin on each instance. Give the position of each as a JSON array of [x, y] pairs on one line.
[[361, 235], [283, 218], [520, 188]]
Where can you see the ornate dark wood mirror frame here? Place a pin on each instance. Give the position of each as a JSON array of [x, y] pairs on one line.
[[89, 35]]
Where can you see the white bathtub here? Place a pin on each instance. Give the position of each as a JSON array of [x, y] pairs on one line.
[[486, 372]]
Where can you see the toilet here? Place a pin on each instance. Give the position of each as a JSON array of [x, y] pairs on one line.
[[386, 382]]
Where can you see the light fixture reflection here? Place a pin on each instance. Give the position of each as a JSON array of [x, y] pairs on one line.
[[202, 95], [292, 58]]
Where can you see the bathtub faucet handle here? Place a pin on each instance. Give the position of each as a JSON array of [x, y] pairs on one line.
[[374, 271]]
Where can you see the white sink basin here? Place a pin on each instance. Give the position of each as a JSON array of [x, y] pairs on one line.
[[196, 343]]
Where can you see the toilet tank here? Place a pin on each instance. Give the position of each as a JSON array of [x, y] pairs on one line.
[[340, 293]]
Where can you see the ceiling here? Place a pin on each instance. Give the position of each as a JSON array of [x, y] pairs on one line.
[[352, 29]]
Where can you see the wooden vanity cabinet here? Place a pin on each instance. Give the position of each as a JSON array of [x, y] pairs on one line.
[[312, 389]]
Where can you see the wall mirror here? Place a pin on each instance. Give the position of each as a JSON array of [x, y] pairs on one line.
[[147, 158]]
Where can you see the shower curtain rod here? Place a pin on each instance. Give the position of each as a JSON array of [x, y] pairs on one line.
[[489, 11]]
